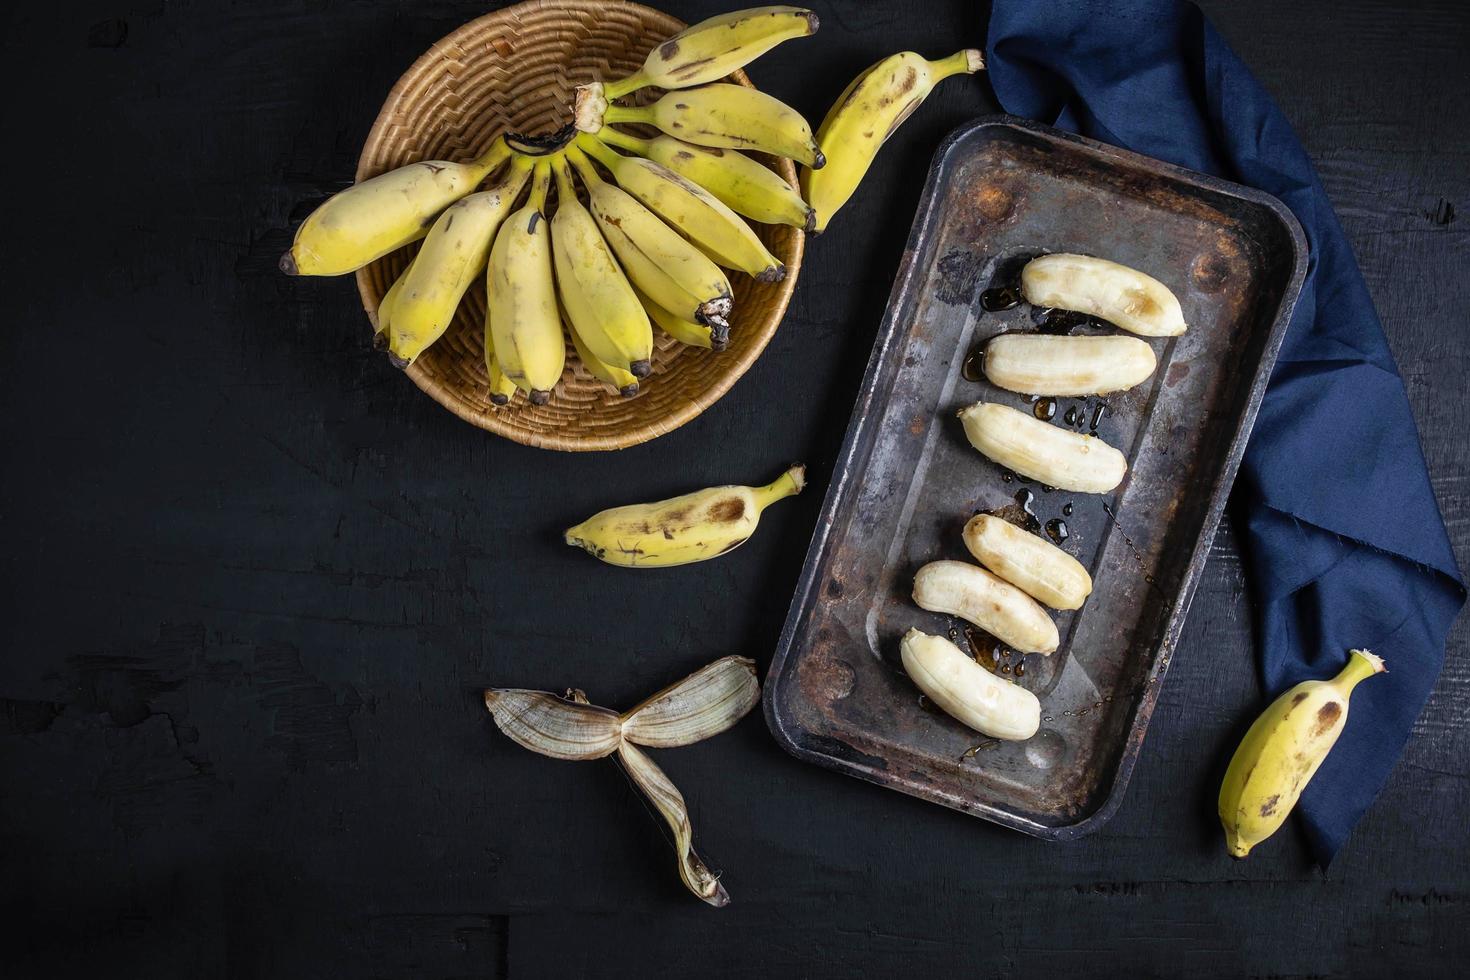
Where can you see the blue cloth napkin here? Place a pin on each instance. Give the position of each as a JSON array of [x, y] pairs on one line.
[[1345, 545]]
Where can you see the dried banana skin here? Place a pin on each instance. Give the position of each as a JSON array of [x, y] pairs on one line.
[[1125, 297]]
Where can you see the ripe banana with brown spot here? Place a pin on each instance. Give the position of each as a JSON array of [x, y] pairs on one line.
[[525, 325], [452, 256], [697, 214], [728, 116], [1038, 364], [745, 185], [368, 220], [1125, 297], [1054, 456], [694, 527], [713, 48], [659, 261], [1281, 752], [597, 298], [967, 691], [874, 105], [957, 588]]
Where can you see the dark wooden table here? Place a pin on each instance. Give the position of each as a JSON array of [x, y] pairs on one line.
[[254, 581]]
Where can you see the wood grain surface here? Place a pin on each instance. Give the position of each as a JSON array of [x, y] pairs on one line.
[[254, 580]]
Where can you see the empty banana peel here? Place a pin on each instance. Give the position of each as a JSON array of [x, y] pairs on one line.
[[707, 702]]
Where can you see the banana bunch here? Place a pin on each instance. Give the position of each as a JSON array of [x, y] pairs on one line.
[[594, 235]]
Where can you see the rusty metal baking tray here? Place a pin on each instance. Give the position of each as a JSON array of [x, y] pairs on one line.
[[1000, 191]]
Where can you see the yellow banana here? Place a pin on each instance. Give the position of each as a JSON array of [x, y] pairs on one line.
[[1281, 752], [599, 301], [865, 115], [713, 48], [502, 389], [674, 272], [714, 335], [450, 259], [745, 186], [368, 220], [525, 327], [623, 380], [733, 117], [695, 212], [694, 527], [383, 316]]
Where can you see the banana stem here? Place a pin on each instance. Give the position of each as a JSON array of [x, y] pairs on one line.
[[628, 114], [491, 160], [965, 62], [788, 483], [1361, 664], [541, 182], [625, 141], [598, 150], [585, 170], [564, 189], [616, 90]]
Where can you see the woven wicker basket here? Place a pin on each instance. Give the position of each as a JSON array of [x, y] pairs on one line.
[[515, 71]]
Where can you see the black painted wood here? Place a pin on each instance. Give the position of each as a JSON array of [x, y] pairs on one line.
[[254, 581]]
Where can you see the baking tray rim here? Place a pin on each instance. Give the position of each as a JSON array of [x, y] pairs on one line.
[[903, 284]]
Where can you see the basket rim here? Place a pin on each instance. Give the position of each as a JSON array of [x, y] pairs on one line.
[[448, 395]]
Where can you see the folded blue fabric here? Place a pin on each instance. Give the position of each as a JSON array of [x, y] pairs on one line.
[[1345, 545]]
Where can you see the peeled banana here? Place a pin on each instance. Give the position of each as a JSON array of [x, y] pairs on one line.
[[1030, 563], [746, 186], [714, 335], [368, 220], [1056, 457], [967, 691], [728, 116], [713, 48], [1122, 296], [1281, 752], [600, 304], [865, 115], [1038, 364], [958, 588], [525, 326], [452, 256], [672, 271], [697, 214], [694, 527]]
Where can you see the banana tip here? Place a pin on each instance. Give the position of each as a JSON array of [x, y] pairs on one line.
[[499, 399], [797, 472], [629, 390], [819, 160], [380, 340], [288, 264], [811, 223], [539, 396], [640, 369], [399, 362], [774, 273], [974, 59], [813, 22]]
